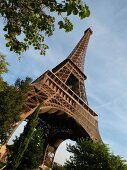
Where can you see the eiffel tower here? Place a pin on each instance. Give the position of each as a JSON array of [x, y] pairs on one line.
[[65, 107]]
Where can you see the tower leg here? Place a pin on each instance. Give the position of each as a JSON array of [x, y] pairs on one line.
[[48, 158]]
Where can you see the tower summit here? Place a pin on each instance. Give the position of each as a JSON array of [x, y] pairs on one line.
[[77, 56]]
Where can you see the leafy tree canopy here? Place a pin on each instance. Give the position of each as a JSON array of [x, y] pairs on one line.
[[3, 69], [11, 102], [90, 155], [35, 19], [33, 155], [56, 166], [21, 144], [3, 64]]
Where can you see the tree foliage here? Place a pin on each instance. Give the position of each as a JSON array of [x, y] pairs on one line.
[[3, 69], [3, 64], [90, 155], [56, 166], [23, 84], [22, 143], [11, 102], [33, 155], [35, 19]]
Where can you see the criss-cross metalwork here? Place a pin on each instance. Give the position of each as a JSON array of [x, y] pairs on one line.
[[65, 106]]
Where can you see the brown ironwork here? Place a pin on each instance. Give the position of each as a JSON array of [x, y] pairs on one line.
[[65, 106]]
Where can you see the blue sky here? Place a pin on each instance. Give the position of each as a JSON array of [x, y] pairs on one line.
[[105, 67]]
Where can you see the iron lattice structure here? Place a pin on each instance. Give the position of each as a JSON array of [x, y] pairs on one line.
[[65, 107]]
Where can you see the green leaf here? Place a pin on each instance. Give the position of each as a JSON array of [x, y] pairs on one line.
[[32, 19], [60, 23]]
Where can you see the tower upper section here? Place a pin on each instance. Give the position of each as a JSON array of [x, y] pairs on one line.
[[70, 71], [77, 56]]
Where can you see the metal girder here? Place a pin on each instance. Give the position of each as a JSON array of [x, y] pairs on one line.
[[65, 106]]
